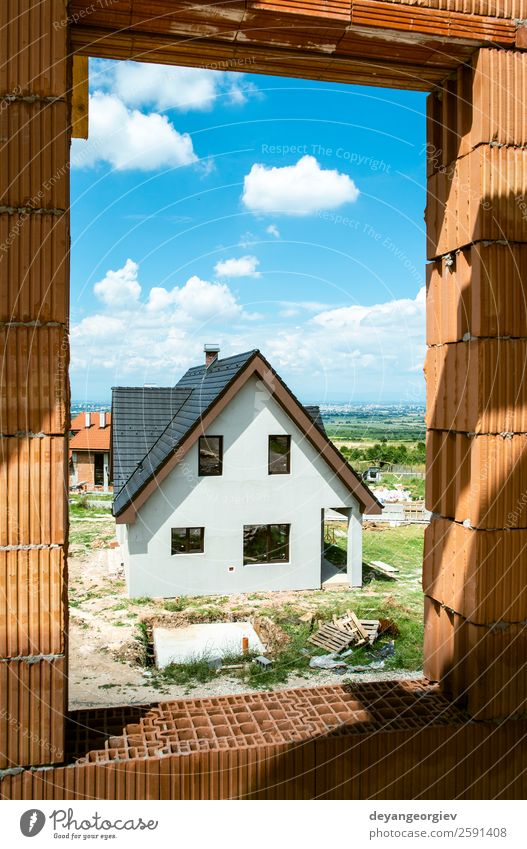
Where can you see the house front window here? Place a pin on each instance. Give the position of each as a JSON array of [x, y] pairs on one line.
[[265, 544], [187, 540], [210, 455], [279, 455]]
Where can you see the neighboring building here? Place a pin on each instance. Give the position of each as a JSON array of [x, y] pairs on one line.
[[90, 445], [221, 484], [372, 475]]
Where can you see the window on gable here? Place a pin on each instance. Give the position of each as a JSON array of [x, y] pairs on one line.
[[187, 540], [210, 455], [279, 455], [265, 544]]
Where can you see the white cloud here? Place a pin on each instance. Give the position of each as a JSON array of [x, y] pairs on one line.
[[299, 189], [381, 340], [128, 139], [153, 335], [243, 266], [273, 231], [119, 288], [148, 333], [97, 327], [141, 84], [386, 317], [197, 299]]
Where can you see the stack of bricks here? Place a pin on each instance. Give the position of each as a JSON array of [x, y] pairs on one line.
[[34, 402], [474, 565], [385, 740], [292, 716]]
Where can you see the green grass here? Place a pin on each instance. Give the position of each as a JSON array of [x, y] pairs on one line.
[[199, 670], [398, 601], [80, 507], [84, 534]]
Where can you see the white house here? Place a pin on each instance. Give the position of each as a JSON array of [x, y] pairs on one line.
[[220, 484]]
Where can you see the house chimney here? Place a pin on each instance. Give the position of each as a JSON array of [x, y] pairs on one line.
[[102, 419], [211, 354], [87, 419]]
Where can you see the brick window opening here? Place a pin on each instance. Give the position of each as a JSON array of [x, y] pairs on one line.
[[265, 544], [98, 469], [187, 540], [210, 455], [279, 455]]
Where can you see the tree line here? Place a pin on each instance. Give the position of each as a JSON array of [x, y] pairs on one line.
[[385, 452]]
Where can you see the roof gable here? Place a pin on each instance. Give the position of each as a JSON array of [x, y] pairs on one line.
[[210, 390], [197, 391]]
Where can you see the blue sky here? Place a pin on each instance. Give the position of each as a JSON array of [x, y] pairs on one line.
[[254, 212]]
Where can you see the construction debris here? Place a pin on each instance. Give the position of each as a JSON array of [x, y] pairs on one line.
[[327, 661], [338, 635], [369, 667], [262, 661]]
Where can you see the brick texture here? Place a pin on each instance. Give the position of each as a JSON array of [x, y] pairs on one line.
[[31, 608], [34, 266], [34, 157], [37, 66], [477, 387], [483, 667], [33, 490], [34, 393], [478, 291], [477, 479], [481, 104], [32, 695], [413, 744], [481, 575], [479, 197], [33, 380]]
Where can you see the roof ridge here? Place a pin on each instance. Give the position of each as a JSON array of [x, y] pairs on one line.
[[206, 369], [249, 355]]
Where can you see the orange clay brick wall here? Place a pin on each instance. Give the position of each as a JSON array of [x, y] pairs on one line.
[[34, 398], [393, 741], [85, 468], [474, 581], [388, 740]]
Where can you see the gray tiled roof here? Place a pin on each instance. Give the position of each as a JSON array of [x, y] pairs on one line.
[[145, 438], [140, 415]]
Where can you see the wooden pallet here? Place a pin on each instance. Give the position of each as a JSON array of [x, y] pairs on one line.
[[347, 630], [371, 626], [331, 638]]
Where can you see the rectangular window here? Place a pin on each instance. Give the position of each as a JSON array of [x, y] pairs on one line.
[[279, 455], [210, 455], [98, 469], [187, 540], [265, 544]]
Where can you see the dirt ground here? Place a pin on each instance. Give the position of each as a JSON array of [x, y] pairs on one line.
[[103, 645]]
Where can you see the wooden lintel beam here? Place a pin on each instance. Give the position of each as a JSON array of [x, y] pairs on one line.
[[79, 98]]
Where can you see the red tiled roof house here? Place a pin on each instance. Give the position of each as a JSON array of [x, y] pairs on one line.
[[90, 451]]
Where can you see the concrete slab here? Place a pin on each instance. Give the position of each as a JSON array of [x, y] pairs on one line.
[[213, 639], [333, 577]]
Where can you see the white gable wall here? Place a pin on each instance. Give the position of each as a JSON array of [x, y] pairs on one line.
[[245, 494]]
